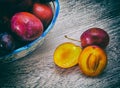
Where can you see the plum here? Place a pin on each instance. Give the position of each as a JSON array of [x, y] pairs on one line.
[[66, 55], [43, 12], [92, 60], [94, 36], [7, 43], [26, 26]]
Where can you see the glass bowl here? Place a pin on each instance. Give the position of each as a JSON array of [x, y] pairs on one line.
[[27, 49]]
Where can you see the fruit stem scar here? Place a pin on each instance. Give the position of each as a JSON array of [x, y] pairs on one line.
[[71, 38]]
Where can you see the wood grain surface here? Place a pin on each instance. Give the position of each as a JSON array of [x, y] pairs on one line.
[[38, 70]]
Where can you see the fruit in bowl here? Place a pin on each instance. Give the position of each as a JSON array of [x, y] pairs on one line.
[[7, 43], [44, 12], [26, 29]]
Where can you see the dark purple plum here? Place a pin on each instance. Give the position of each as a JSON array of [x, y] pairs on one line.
[[94, 36], [7, 43]]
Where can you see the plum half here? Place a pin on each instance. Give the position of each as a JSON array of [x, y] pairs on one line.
[[92, 60], [66, 55]]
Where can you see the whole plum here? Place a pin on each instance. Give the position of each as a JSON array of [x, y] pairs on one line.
[[7, 43], [43, 12], [94, 36], [26, 26]]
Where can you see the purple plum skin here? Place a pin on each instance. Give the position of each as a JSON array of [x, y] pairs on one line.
[[26, 26], [7, 43], [94, 36]]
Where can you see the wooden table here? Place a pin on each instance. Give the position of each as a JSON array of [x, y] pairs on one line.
[[38, 70]]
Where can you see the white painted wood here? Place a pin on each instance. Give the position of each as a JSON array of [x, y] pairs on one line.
[[38, 69]]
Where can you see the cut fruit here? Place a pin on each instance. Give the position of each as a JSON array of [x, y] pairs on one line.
[[66, 55], [92, 60]]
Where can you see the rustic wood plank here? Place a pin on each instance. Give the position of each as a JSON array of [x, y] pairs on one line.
[[38, 70]]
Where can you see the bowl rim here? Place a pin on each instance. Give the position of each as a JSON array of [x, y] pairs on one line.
[[57, 7]]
